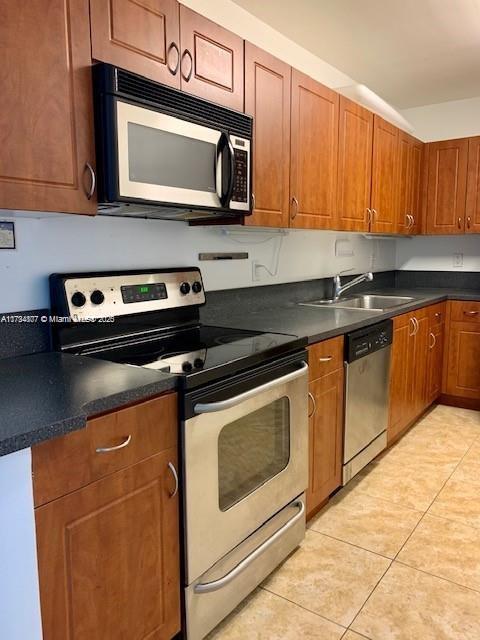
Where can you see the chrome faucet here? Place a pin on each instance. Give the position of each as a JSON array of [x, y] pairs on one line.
[[337, 285]]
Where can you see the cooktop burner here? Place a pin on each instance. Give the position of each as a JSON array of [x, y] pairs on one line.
[[194, 350]]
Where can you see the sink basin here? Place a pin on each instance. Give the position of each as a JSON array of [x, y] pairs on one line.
[[364, 302]]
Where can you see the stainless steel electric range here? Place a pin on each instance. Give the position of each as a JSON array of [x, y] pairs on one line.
[[243, 422]]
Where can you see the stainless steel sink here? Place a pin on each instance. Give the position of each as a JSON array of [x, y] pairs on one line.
[[364, 302]]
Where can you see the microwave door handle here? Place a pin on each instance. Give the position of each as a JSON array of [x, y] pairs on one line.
[[224, 146], [221, 405]]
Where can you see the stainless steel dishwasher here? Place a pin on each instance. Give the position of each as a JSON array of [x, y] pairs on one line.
[[367, 371]]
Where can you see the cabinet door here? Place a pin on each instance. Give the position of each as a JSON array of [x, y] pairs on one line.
[[355, 143], [108, 557], [419, 365], [435, 362], [313, 185], [46, 107], [446, 189], [400, 409], [325, 438], [384, 176], [463, 370], [472, 214], [404, 182], [142, 37], [267, 99], [211, 63], [416, 174]]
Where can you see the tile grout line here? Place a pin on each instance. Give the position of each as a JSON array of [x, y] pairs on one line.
[[351, 544], [319, 615], [434, 575]]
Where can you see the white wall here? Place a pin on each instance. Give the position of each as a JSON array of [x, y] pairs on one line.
[[446, 120], [76, 243], [436, 253], [19, 596], [231, 16]]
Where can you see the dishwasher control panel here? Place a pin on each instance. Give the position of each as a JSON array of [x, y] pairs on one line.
[[365, 341]]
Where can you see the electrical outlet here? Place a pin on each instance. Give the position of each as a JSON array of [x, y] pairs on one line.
[[458, 260]]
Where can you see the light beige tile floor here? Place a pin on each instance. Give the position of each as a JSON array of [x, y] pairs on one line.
[[394, 556]]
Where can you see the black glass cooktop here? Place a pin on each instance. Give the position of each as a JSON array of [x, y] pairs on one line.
[[193, 352]]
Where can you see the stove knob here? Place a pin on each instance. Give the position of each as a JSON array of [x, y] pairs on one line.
[[198, 363], [97, 297], [187, 366], [196, 287], [184, 288], [78, 299]]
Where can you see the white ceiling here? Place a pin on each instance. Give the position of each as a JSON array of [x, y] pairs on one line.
[[410, 52]]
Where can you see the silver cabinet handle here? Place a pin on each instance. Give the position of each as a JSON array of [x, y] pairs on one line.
[[215, 585], [469, 222], [325, 359], [369, 215], [122, 445], [470, 313], [189, 74], [314, 404], [459, 222], [173, 47], [294, 211], [93, 181], [413, 328], [438, 314], [413, 220], [374, 213], [175, 476], [210, 407], [417, 326], [432, 344], [253, 201]]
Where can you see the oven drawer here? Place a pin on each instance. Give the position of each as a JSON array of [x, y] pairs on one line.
[[236, 575], [108, 443], [325, 357]]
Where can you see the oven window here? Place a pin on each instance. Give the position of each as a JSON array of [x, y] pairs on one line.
[[252, 450], [170, 160]]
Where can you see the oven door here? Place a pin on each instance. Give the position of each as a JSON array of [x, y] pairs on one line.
[[245, 458], [163, 159]]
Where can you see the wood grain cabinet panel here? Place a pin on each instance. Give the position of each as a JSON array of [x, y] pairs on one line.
[[472, 213], [267, 99], [409, 167], [436, 340], [355, 146], [325, 438], [462, 358], [446, 189], [325, 357], [138, 35], [314, 143], [46, 115], [212, 60], [108, 557], [400, 376], [384, 176]]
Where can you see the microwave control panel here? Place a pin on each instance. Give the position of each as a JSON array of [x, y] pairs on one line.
[[240, 176]]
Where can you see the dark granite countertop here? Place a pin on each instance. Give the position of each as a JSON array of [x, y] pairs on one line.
[[320, 323], [45, 395]]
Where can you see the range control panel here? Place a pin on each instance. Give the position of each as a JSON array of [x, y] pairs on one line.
[[93, 296]]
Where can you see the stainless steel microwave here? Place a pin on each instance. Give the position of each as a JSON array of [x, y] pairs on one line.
[[164, 153]]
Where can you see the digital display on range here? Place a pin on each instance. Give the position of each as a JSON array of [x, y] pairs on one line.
[[143, 292]]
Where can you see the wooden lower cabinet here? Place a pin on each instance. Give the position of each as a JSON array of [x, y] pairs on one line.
[[108, 555], [325, 437], [436, 339], [462, 362]]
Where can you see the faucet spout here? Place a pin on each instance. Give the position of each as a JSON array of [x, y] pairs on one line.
[[338, 288]]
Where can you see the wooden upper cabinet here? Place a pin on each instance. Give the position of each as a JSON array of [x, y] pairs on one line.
[[447, 181], [314, 146], [355, 144], [384, 177], [472, 213], [409, 167], [212, 64], [142, 37], [46, 107], [267, 99]]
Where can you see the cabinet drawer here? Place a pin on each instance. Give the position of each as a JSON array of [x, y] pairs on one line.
[[107, 444], [437, 313], [325, 357], [465, 311]]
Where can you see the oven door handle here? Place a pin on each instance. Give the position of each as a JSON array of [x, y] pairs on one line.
[[215, 585], [210, 407]]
